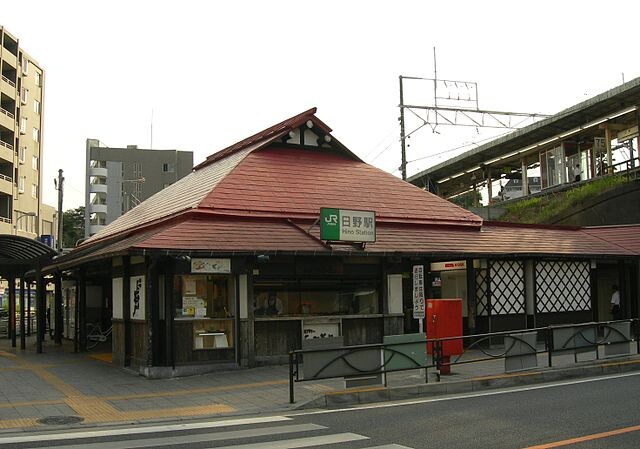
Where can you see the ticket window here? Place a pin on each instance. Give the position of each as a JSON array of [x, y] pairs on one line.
[[208, 300]]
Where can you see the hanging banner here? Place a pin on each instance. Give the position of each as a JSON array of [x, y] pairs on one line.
[[418, 291], [137, 298]]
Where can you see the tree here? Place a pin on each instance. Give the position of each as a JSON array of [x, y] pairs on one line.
[[468, 199], [72, 226]]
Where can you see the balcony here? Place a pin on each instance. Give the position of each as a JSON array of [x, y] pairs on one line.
[[10, 58], [98, 208], [97, 188], [7, 119], [94, 229], [6, 185], [4, 144], [97, 171], [5, 226], [8, 87], [6, 155]]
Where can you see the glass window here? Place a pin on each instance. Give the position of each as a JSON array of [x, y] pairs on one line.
[[316, 297], [34, 190], [23, 125], [36, 106], [205, 296], [34, 162], [36, 135], [38, 79]]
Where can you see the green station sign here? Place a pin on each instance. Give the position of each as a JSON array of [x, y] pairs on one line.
[[341, 225]]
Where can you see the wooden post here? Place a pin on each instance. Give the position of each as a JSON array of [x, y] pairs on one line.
[[23, 337], [41, 318], [11, 322], [169, 311], [126, 308], [58, 321]]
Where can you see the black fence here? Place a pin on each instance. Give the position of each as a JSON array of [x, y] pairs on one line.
[[519, 349]]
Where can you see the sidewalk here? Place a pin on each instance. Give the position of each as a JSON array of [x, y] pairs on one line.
[[59, 387]]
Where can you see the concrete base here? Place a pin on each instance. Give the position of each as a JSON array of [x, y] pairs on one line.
[[168, 372]]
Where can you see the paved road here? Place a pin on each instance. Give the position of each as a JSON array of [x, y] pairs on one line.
[[600, 412]]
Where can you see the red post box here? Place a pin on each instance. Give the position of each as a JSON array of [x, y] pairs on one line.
[[444, 319]]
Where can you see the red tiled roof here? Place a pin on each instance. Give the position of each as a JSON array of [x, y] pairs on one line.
[[625, 236], [224, 234], [242, 235], [294, 182]]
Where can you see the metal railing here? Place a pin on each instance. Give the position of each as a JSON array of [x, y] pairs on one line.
[[8, 81], [7, 113], [347, 361]]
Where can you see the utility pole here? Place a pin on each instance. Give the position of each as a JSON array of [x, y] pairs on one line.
[[403, 163], [59, 187]]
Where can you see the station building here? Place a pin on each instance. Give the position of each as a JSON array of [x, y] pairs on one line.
[[227, 266]]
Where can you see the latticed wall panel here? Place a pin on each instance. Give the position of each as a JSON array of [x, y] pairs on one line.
[[507, 287], [563, 287], [506, 295], [482, 298]]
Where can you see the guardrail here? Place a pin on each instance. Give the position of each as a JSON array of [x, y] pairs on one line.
[[7, 113], [7, 145], [8, 81], [519, 349]]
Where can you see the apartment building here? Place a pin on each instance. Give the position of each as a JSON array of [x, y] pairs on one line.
[[21, 124], [118, 179]]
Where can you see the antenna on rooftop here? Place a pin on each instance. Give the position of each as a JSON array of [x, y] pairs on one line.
[[151, 144]]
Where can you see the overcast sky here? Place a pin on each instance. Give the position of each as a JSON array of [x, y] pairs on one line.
[[216, 72]]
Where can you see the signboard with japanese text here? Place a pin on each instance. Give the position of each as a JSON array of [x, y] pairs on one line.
[[347, 225], [210, 265], [446, 266], [418, 291], [137, 298]]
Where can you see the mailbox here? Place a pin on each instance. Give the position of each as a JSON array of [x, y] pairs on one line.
[[444, 319]]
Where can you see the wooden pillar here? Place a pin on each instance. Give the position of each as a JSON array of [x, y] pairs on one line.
[[11, 322], [40, 310], [472, 305], [82, 312], [23, 337], [126, 308], [607, 141], [58, 309], [169, 311], [76, 319], [153, 312]]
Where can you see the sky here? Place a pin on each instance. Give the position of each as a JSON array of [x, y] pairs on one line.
[[209, 73]]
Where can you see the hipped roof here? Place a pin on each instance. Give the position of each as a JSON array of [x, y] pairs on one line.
[[263, 195]]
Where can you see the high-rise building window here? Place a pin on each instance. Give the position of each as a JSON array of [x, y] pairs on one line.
[[23, 125], [25, 66], [34, 162], [38, 79], [168, 167], [36, 135], [36, 107], [21, 182], [24, 95], [34, 190], [21, 154]]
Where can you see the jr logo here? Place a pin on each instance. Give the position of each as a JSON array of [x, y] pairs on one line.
[[331, 219]]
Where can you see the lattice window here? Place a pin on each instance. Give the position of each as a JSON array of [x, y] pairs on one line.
[[563, 287], [507, 287], [481, 292]]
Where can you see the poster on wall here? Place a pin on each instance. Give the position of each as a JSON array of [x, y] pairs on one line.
[[323, 329], [116, 288], [137, 298]]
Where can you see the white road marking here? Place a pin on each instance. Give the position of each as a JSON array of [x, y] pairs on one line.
[[465, 396], [140, 430], [197, 438], [300, 442]]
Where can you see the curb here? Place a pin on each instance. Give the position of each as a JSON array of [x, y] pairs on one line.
[[539, 376]]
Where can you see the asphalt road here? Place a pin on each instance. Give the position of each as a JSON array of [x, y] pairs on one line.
[[602, 413]]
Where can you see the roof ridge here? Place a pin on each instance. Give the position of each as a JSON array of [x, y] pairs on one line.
[[267, 135]]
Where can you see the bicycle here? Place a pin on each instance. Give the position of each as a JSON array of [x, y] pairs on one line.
[[95, 335]]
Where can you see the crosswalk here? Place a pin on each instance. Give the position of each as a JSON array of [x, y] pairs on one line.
[[274, 432]]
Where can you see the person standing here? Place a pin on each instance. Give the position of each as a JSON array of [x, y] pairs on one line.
[[576, 173], [616, 309]]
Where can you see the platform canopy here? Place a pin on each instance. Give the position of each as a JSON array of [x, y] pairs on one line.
[[20, 254]]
